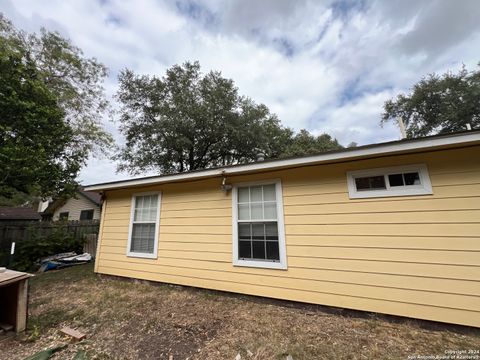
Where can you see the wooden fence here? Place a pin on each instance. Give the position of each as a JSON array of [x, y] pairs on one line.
[[87, 230]]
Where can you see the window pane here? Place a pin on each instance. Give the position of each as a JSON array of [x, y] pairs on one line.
[[244, 231], [412, 178], [243, 195], [272, 250], [255, 193], [395, 179], [138, 215], [258, 231], [243, 212], [264, 243], [153, 214], [147, 202], [370, 183], [258, 248], [86, 215], [146, 208], [270, 210], [271, 231], [143, 238], [147, 214], [257, 211], [63, 216], [269, 192], [244, 249]]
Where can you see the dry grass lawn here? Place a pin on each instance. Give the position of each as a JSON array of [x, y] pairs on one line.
[[127, 320]]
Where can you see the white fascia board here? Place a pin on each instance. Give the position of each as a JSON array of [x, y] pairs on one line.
[[380, 149]]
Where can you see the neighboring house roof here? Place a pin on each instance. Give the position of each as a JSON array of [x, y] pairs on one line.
[[18, 213], [428, 143], [92, 196]]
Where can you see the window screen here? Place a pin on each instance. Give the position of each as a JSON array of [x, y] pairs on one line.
[[257, 223], [144, 224]]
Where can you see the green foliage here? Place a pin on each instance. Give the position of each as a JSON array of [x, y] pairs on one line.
[[51, 103], [40, 244], [76, 81], [34, 140], [187, 121], [438, 104], [305, 143]]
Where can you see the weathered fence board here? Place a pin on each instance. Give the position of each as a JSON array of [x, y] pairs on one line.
[[90, 244]]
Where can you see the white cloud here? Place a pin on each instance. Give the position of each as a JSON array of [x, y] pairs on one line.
[[326, 66], [359, 120]]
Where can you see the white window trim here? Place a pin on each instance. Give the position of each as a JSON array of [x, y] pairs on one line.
[[282, 264], [154, 255], [425, 188]]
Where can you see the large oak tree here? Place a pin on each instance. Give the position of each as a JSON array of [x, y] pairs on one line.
[[438, 104], [187, 120]]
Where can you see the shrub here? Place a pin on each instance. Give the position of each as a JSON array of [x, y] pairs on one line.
[[38, 244]]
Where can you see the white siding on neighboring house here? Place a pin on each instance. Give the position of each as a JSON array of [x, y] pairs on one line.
[[74, 206], [42, 205]]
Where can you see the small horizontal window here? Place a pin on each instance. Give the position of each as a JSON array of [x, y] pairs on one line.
[[395, 181]]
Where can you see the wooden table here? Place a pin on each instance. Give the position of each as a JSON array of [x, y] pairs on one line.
[[14, 299]]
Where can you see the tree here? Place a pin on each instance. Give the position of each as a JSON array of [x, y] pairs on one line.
[[52, 102], [305, 143], [36, 145], [74, 80], [187, 120], [438, 104]]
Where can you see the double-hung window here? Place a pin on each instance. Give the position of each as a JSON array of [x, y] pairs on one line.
[[258, 229], [144, 222], [404, 180]]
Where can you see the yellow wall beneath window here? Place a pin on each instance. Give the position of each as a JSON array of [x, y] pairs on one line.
[[413, 256]]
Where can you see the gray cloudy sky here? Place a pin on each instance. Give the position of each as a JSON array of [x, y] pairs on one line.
[[326, 66]]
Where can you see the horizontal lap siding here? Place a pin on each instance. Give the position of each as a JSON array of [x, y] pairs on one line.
[[74, 207], [413, 256]]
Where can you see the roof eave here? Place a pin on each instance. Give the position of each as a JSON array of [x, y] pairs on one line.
[[417, 145]]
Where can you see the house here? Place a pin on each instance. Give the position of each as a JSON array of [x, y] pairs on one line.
[[391, 228], [85, 205], [18, 216]]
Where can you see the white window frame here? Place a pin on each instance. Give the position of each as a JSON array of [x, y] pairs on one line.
[[425, 187], [282, 263], [154, 255]]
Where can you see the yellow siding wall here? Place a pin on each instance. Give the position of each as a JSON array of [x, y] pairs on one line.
[[413, 256]]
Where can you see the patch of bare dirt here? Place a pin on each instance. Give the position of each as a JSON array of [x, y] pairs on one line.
[[135, 320]]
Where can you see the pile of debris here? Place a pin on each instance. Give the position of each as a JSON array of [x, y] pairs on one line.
[[60, 261]]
